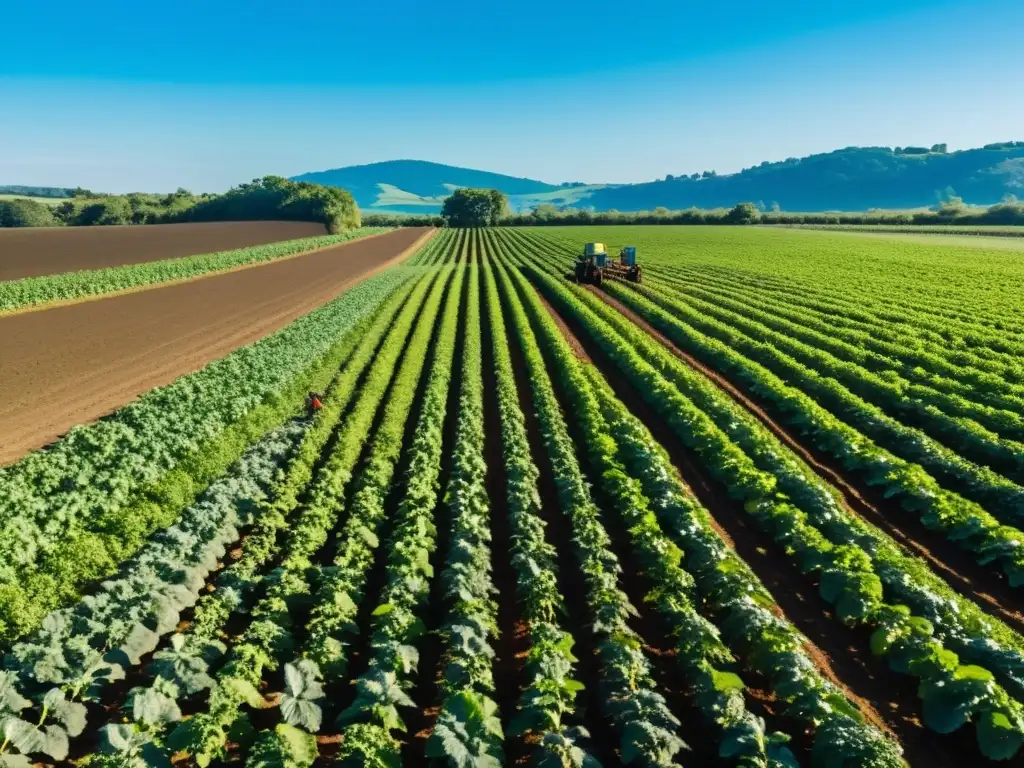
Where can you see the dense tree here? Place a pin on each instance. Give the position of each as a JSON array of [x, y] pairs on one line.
[[26, 213], [474, 207], [270, 198], [274, 197], [744, 213]]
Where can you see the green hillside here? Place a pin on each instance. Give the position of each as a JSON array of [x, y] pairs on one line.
[[418, 186], [851, 179]]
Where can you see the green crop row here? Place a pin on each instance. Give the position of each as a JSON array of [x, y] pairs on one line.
[[773, 648], [916, 408], [468, 715], [370, 723], [962, 521], [547, 702]]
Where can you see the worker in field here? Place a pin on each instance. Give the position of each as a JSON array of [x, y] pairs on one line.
[[314, 402]]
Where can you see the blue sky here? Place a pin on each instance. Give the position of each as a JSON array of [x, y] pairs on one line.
[[126, 96]]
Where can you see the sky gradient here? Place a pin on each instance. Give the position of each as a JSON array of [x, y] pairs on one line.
[[126, 96]]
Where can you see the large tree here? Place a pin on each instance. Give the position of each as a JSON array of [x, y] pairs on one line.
[[474, 207]]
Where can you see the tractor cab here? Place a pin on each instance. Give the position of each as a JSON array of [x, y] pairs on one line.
[[590, 263]]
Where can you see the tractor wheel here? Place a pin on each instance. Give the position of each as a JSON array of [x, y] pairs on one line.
[[598, 277], [581, 274], [636, 275]]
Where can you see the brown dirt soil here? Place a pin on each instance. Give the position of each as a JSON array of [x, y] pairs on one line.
[[985, 587], [31, 252], [73, 364], [886, 699]]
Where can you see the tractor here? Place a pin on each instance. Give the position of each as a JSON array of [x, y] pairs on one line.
[[593, 265]]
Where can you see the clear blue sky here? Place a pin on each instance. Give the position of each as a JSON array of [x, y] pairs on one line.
[[151, 96]]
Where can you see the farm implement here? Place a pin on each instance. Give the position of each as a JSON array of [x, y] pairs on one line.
[[593, 265]]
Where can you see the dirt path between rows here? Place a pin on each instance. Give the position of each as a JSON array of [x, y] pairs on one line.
[[37, 251], [73, 364], [842, 655], [987, 589]]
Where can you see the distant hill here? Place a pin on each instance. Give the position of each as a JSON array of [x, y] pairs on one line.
[[418, 186], [851, 179]]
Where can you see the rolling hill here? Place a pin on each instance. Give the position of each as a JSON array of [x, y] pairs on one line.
[[851, 179], [418, 186]]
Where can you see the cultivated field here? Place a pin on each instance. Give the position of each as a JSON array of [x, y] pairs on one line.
[[72, 364], [763, 509], [34, 251]]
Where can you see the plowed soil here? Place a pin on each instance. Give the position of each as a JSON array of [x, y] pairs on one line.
[[73, 364], [31, 252]]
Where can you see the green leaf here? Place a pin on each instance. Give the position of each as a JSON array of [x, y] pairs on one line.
[[23, 735], [997, 737], [10, 700], [71, 714], [246, 691], [154, 708]]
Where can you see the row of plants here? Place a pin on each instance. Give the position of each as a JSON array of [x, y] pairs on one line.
[[969, 300], [448, 241], [932, 363], [981, 431], [952, 693], [197, 662], [948, 347], [468, 729], [646, 729], [49, 678], [963, 521], [33, 291], [651, 502], [546, 709], [271, 637], [371, 724]]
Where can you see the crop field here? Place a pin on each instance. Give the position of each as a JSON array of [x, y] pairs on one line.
[[70, 364], [35, 251], [763, 509]]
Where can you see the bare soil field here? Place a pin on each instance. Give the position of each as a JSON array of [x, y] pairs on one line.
[[31, 252], [73, 364]]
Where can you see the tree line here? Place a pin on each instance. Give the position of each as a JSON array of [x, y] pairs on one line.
[[270, 198], [950, 211]]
